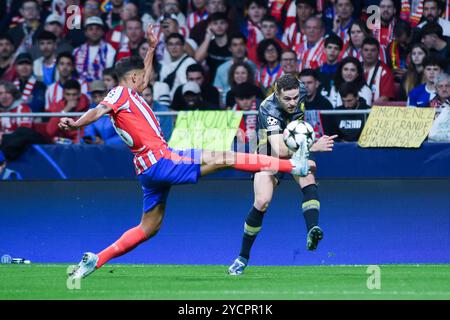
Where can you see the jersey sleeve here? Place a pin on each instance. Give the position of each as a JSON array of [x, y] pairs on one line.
[[269, 121], [115, 98]]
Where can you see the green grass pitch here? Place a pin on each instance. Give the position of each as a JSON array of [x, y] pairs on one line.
[[174, 282]]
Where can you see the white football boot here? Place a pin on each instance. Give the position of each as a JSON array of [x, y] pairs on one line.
[[85, 267]]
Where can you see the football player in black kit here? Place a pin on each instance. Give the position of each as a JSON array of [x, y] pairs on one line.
[[274, 114]]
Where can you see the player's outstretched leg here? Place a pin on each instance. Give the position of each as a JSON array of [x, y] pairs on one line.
[[264, 184], [149, 226]]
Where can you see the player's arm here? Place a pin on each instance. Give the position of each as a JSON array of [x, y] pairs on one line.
[[148, 61], [87, 118], [278, 147]]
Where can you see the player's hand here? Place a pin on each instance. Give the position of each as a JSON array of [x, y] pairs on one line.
[[67, 124], [152, 40], [324, 144]]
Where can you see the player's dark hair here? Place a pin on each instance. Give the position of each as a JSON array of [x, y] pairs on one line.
[[128, 64], [72, 84], [46, 35], [370, 41], [348, 88], [175, 35], [309, 73], [65, 54], [195, 68], [286, 82], [334, 39], [263, 45]]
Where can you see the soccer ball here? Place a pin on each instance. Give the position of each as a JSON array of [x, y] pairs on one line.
[[295, 132]]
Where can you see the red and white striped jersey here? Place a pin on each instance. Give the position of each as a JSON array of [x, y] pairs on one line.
[[293, 36], [9, 125], [195, 17], [137, 125], [311, 58]]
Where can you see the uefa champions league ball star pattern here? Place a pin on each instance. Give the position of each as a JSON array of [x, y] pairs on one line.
[[295, 132]]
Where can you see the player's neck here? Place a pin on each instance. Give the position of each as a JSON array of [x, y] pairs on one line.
[[128, 84]]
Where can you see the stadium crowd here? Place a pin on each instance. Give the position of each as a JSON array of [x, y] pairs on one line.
[[59, 56]]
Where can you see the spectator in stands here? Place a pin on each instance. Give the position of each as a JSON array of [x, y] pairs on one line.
[[442, 99], [311, 53], [24, 34], [246, 100], [95, 55], [432, 11], [110, 78], [295, 34], [269, 29], [73, 101], [65, 65], [135, 35], [44, 68], [398, 50], [414, 76], [348, 127], [251, 26], [214, 48], [33, 90], [7, 70], [174, 73], [314, 100], [102, 131], [377, 74], [238, 51], [269, 54], [349, 70], [327, 72], [169, 24], [117, 37], [358, 32], [199, 13], [192, 98], [435, 42], [289, 62], [422, 95], [11, 102], [210, 94], [91, 8], [199, 31], [239, 73], [385, 34], [55, 24], [166, 122], [173, 7], [113, 17], [343, 19]]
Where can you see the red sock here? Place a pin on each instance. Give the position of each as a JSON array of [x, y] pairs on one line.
[[257, 162], [127, 242]]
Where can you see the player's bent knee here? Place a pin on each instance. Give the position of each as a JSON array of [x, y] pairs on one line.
[[262, 204]]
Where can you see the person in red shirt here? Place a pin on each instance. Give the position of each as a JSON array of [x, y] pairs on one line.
[[158, 166], [11, 102], [378, 75], [73, 101]]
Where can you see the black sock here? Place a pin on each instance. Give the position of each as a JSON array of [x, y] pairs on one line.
[[252, 227], [311, 206]]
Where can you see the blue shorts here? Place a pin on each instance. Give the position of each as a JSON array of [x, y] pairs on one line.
[[181, 167]]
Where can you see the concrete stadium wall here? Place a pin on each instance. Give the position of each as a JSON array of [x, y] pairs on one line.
[[365, 222]]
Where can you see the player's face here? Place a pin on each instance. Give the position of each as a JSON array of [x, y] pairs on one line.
[[137, 77], [289, 100]]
